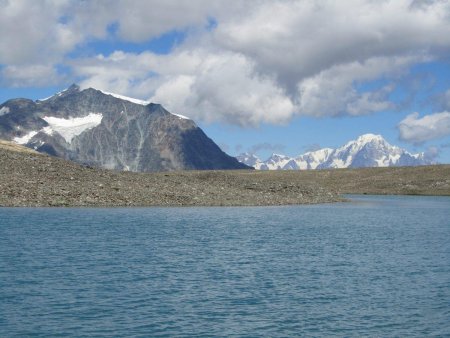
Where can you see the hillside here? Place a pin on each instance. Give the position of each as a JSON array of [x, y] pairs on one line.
[[28, 178]]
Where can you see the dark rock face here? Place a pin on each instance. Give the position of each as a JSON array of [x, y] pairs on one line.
[[94, 128]]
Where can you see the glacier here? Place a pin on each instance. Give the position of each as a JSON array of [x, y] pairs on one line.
[[368, 150], [73, 126]]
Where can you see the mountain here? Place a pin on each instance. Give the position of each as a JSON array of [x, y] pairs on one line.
[[111, 131], [368, 150]]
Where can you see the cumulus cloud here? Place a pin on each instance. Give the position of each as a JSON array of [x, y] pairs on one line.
[[119, 72], [37, 33], [146, 19], [32, 31], [29, 75], [417, 130], [200, 84], [40, 29], [332, 91], [224, 87], [299, 39], [262, 61]]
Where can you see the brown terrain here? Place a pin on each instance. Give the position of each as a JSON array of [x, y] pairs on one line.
[[28, 178]]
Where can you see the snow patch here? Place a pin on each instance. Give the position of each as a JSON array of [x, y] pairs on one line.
[[4, 110], [138, 101], [47, 130], [381, 162], [57, 94], [26, 138], [126, 98], [338, 163], [181, 116], [45, 99], [366, 138], [74, 126], [312, 159]]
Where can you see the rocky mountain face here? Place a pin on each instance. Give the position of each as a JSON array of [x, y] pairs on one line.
[[110, 131], [366, 151]]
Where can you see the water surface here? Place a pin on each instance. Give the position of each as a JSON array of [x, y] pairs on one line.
[[379, 266]]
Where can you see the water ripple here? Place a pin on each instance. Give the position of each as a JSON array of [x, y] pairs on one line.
[[378, 267]]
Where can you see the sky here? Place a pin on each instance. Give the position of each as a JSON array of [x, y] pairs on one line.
[[260, 76]]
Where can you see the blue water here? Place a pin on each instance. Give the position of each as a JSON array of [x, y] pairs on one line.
[[379, 266]]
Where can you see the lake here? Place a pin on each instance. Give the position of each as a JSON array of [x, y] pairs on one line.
[[377, 266]]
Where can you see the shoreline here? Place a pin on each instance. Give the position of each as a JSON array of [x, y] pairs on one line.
[[30, 179], [342, 199]]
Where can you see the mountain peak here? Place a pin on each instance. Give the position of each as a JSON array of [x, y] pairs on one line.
[[366, 138], [101, 129], [73, 88], [138, 101], [368, 150]]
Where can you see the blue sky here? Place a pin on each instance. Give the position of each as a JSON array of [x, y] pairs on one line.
[[267, 76]]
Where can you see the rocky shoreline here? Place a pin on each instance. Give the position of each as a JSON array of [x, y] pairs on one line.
[[30, 179]]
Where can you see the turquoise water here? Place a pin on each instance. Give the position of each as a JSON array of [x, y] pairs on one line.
[[379, 266]]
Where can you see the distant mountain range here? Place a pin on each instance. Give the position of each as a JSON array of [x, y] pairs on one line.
[[368, 150], [111, 131]]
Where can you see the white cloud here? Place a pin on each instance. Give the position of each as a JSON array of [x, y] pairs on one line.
[[29, 75], [224, 87], [39, 30], [265, 62], [299, 39], [417, 130], [204, 85], [146, 19], [332, 92], [31, 32]]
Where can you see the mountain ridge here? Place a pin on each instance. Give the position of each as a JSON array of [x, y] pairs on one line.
[[368, 150], [111, 131]]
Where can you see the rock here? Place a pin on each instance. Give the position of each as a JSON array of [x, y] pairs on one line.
[[103, 130]]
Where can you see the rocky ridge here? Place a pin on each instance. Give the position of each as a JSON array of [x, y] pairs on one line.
[[29, 178], [111, 131]]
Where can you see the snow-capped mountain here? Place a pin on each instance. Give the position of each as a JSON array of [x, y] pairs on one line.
[[368, 150], [111, 131], [251, 160]]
